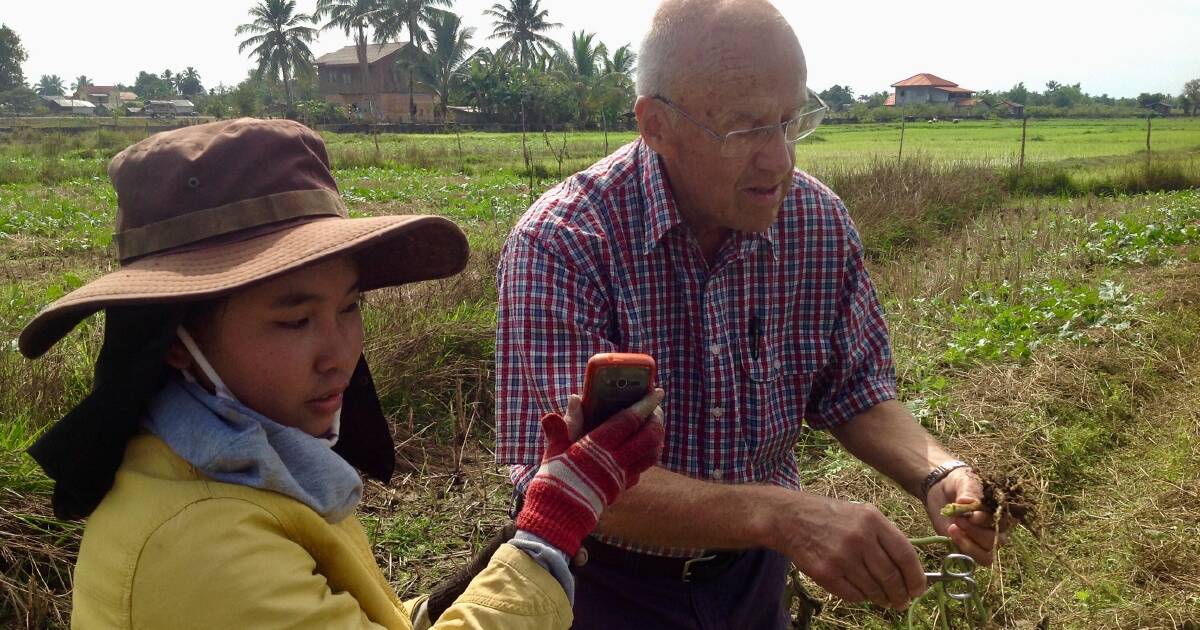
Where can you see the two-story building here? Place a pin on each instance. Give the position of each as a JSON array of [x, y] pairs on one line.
[[341, 82], [927, 88]]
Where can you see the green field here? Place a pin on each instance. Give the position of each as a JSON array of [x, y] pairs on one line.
[[1044, 321]]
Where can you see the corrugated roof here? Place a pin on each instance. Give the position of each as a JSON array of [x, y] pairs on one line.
[[924, 78], [348, 56], [63, 101]]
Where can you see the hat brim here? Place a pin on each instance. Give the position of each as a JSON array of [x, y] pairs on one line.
[[390, 251]]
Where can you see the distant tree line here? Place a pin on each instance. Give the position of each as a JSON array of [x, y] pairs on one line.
[[529, 78], [1057, 101]]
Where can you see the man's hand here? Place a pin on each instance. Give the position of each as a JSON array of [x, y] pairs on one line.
[[851, 550], [974, 534]]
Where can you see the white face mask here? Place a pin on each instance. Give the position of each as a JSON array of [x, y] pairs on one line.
[[224, 392]]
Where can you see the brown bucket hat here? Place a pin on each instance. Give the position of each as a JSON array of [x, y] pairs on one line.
[[212, 208]]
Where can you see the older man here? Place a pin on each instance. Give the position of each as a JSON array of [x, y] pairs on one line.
[[701, 245]]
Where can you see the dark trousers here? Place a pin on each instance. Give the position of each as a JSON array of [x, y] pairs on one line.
[[612, 595]]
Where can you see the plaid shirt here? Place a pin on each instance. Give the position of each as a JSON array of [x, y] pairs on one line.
[[784, 326]]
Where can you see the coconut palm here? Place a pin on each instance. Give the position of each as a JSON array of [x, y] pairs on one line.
[[354, 18], [189, 82], [621, 62], [412, 16], [521, 23], [50, 85], [482, 78], [279, 38], [80, 82], [445, 56]]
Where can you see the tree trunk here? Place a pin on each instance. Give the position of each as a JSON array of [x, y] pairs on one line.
[[287, 89], [361, 45], [412, 50]]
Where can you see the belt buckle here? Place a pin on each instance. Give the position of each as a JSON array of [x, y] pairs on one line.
[[687, 566]]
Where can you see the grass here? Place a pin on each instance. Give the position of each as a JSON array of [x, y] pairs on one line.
[[1048, 332]]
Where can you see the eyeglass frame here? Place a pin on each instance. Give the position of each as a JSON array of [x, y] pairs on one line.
[[723, 139]]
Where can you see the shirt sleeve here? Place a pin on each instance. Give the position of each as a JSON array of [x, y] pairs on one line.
[[514, 592], [860, 373], [551, 317], [245, 573]]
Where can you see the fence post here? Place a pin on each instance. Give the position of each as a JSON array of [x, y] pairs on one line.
[[903, 121], [1148, 114], [604, 126], [1024, 124]]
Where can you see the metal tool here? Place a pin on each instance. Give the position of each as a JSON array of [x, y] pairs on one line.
[[957, 576]]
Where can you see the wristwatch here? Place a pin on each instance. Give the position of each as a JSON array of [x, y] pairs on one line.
[[938, 474]]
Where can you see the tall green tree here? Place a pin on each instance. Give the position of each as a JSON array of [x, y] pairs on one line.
[[522, 25], [483, 76], [444, 57], [581, 65], [12, 55], [50, 85], [411, 16], [80, 82], [355, 18], [1191, 90], [150, 86], [189, 82], [279, 39], [621, 61]]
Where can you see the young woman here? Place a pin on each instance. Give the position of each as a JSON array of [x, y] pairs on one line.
[[215, 457]]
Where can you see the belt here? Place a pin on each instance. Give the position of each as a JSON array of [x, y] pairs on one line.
[[707, 567]]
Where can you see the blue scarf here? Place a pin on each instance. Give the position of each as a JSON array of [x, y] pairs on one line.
[[230, 442]]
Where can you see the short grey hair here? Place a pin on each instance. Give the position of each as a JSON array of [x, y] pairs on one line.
[[677, 23]]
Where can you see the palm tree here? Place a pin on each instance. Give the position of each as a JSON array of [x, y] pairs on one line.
[[585, 59], [483, 76], [279, 37], [521, 24], [80, 82], [189, 82], [409, 15], [445, 56], [621, 62], [353, 17], [50, 85]]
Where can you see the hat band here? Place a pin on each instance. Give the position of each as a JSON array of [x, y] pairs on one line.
[[233, 217]]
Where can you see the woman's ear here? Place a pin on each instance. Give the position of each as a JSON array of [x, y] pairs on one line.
[[177, 356]]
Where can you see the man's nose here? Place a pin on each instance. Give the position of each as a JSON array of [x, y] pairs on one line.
[[776, 155]]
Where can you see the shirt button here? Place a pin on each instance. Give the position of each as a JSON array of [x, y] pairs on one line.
[[718, 474], [715, 349], [716, 412], [777, 364]]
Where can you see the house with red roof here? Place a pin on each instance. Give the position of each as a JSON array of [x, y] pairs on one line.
[[928, 88]]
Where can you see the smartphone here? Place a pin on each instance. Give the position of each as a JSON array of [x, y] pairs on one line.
[[614, 381]]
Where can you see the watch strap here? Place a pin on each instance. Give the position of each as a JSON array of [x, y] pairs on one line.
[[938, 474]]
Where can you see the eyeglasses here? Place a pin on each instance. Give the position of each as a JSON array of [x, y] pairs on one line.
[[743, 142]]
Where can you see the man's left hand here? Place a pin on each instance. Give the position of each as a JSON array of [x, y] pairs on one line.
[[975, 534]]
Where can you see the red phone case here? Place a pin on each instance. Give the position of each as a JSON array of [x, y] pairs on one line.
[[614, 381]]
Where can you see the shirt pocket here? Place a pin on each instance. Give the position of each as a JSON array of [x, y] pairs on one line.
[[778, 379]]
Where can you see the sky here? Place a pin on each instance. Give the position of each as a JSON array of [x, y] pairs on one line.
[[1113, 47]]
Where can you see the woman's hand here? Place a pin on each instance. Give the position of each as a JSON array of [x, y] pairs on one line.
[[578, 479]]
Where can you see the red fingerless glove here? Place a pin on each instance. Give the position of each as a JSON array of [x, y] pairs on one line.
[[576, 481]]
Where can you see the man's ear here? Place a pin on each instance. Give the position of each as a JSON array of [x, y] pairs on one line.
[[651, 123], [177, 356]]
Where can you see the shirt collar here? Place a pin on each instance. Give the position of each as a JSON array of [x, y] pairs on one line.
[[663, 214]]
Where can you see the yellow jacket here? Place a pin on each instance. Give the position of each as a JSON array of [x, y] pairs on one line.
[[170, 548]]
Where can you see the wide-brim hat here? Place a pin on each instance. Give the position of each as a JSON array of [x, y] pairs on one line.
[[209, 209]]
